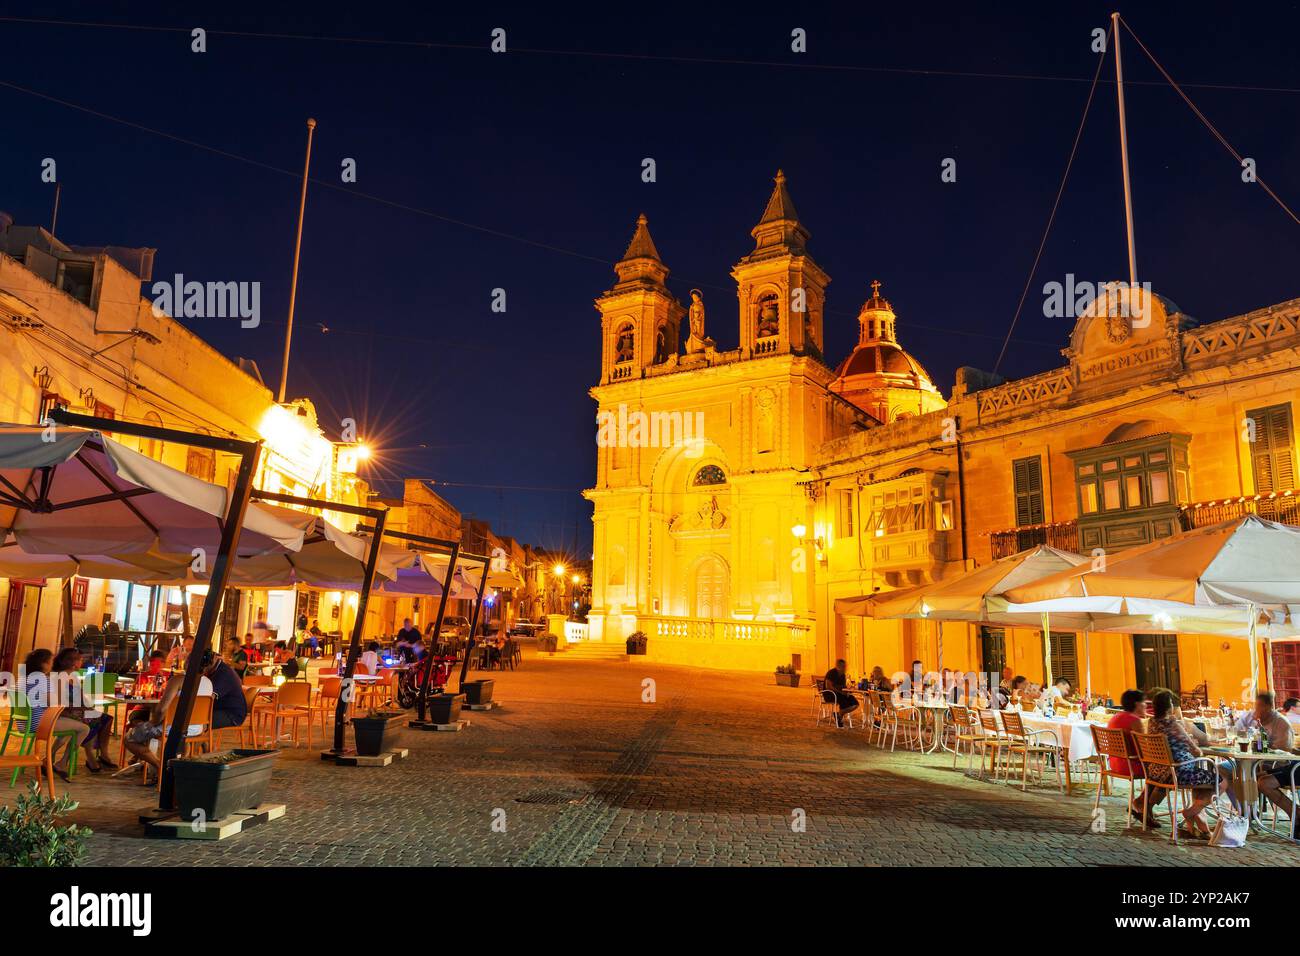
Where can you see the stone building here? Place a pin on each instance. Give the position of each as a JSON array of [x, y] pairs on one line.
[[75, 331], [729, 543]]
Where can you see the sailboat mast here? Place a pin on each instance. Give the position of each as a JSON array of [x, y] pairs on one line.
[[1123, 153]]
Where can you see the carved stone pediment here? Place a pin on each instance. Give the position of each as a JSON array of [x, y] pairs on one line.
[[709, 519]]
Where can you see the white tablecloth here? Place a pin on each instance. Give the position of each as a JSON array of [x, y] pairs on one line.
[[1075, 736]]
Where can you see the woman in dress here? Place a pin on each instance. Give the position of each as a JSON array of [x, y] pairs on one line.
[[1199, 777]]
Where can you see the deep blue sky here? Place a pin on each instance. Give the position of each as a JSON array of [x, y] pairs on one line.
[[547, 147]]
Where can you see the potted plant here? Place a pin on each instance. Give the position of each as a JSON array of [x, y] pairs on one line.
[[636, 642], [787, 676], [30, 834], [478, 691], [444, 708], [547, 642], [218, 784], [370, 732]]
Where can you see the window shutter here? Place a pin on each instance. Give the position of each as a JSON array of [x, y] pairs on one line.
[[1272, 456], [1027, 477], [1065, 659]]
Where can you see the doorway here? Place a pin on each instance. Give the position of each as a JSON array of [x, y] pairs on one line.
[[1155, 659], [709, 595], [993, 653]]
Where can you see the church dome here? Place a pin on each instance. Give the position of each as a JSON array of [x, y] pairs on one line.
[[879, 376]]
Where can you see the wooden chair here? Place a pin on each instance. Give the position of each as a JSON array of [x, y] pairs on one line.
[[965, 725], [1116, 743], [1026, 744], [992, 741], [247, 735], [1162, 774], [259, 680], [893, 716], [41, 753], [292, 703]]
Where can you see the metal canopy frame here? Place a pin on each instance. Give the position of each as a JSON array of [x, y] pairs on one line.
[[249, 453], [422, 700]]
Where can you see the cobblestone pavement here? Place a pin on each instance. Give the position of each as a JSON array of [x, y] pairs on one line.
[[583, 772]]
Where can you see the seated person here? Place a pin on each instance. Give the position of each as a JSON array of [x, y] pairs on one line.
[[282, 653], [878, 680], [837, 681], [1059, 691], [370, 657], [1018, 693], [236, 656], [180, 650], [1197, 777], [217, 680], [1132, 719], [1275, 776]]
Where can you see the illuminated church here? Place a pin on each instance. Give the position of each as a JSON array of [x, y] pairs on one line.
[[703, 544]]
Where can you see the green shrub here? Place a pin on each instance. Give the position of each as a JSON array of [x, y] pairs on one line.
[[31, 836]]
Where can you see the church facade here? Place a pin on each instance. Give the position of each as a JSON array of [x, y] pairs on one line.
[[806, 482]]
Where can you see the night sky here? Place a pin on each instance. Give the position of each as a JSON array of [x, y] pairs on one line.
[[523, 171]]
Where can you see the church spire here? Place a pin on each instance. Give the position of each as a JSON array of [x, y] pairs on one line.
[[642, 246], [641, 263], [779, 230]]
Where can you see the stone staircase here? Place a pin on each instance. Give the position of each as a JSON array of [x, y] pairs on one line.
[[594, 651]]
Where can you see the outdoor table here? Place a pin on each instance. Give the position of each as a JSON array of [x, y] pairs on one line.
[[1244, 768], [937, 709], [1073, 739]]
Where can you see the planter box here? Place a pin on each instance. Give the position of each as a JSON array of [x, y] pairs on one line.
[[478, 691], [444, 708], [787, 680], [219, 784], [636, 647], [370, 733]]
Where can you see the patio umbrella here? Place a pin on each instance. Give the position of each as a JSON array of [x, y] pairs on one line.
[[72, 492], [1239, 578]]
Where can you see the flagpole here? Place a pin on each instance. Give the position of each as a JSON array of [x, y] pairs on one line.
[[297, 248], [1123, 154]]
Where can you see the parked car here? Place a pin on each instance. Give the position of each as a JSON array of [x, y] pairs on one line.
[[453, 625], [527, 628]]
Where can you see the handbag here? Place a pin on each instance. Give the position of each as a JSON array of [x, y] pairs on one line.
[[1231, 828]]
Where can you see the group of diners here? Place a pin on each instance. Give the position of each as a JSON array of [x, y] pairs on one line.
[[1160, 712]]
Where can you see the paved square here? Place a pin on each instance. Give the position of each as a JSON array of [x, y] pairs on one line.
[[580, 771]]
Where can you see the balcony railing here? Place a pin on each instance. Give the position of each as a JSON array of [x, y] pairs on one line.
[[1283, 506], [621, 371], [1063, 535], [723, 631], [767, 345]]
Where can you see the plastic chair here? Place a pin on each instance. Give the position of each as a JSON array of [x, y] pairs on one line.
[[1026, 744], [292, 703], [20, 711], [41, 754]]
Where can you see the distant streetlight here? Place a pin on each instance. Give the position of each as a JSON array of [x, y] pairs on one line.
[[558, 570]]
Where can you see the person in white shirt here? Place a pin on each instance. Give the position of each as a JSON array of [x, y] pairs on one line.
[[371, 657], [1059, 690]]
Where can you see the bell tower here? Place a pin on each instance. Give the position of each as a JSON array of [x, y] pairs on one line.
[[640, 319], [782, 291]]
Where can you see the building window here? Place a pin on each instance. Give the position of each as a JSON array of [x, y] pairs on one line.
[[1114, 480], [769, 315], [710, 475], [1027, 476], [1065, 658], [1273, 451], [844, 513], [625, 344], [201, 463], [897, 512]]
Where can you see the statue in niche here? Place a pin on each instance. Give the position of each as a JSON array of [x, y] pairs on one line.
[[697, 342]]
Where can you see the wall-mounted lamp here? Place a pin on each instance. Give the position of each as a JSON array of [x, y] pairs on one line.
[[87, 396], [43, 377]]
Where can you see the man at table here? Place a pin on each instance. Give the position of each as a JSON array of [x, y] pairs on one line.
[[1059, 691], [837, 682], [179, 652], [1275, 776]]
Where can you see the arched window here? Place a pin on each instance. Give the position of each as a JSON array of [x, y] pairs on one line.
[[769, 315], [663, 344], [710, 475], [625, 344]]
